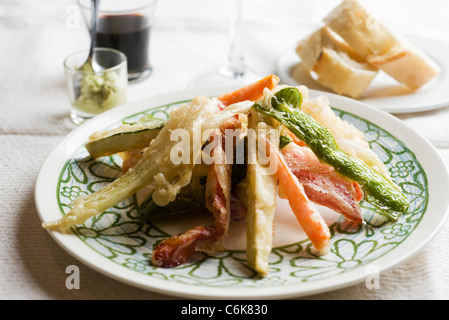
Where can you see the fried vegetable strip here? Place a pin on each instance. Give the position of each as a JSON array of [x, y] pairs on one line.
[[379, 191], [262, 187], [307, 215], [176, 250], [126, 136], [252, 92], [349, 139], [156, 165]]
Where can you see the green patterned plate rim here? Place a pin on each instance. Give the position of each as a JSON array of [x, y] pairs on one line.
[[119, 245]]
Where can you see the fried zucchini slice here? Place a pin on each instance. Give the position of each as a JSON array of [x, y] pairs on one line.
[[125, 137]]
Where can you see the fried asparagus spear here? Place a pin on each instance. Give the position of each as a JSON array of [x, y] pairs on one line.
[[379, 191]]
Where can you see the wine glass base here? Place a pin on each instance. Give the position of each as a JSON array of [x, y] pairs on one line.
[[222, 76]]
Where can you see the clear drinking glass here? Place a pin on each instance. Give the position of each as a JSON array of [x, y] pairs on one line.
[[125, 25], [93, 92], [234, 71]]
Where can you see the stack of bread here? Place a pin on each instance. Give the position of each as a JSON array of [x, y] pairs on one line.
[[346, 54]]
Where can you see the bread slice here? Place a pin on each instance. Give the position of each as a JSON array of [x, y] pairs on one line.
[[334, 64], [336, 70], [381, 46]]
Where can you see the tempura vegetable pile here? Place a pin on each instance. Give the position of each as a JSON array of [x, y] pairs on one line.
[[244, 149]]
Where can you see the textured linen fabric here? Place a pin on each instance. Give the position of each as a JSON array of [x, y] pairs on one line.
[[187, 37]]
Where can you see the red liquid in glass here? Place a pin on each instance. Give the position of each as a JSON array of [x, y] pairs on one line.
[[128, 34]]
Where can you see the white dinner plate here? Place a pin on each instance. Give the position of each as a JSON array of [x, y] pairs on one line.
[[119, 245], [384, 92]]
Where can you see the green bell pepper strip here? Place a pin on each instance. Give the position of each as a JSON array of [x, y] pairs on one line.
[[379, 191]]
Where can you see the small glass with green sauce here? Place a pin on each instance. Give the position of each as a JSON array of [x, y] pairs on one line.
[[94, 91]]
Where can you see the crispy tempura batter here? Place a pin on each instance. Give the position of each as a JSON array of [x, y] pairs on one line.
[[176, 249]]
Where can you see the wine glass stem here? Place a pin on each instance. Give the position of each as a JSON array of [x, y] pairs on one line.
[[236, 62]]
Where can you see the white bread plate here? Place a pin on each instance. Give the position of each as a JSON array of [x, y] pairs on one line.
[[384, 92]]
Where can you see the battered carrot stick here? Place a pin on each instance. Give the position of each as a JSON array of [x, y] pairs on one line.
[[295, 138], [251, 92], [310, 219]]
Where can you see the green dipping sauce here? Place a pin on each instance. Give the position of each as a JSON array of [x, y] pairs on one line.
[[100, 92]]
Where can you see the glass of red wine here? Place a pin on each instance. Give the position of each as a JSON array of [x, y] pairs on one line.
[[234, 71], [125, 25]]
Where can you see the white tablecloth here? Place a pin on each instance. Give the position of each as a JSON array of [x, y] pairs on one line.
[[188, 36]]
